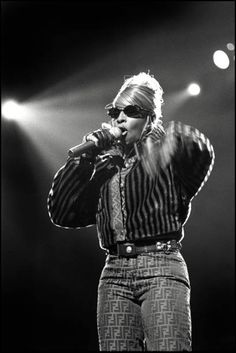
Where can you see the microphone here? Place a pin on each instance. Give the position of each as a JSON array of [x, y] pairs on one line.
[[84, 147]]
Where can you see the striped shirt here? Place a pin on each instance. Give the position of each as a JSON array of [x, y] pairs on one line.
[[123, 199]]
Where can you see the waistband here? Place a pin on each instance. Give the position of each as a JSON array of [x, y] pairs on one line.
[[132, 249]]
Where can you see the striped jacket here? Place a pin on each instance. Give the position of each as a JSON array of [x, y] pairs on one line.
[[125, 201]]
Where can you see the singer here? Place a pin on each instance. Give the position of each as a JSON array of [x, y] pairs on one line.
[[136, 181]]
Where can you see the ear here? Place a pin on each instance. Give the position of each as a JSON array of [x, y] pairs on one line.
[[149, 121]]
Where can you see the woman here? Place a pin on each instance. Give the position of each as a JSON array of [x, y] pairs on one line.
[[137, 186]]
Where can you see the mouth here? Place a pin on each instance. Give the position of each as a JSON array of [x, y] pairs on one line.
[[124, 130]]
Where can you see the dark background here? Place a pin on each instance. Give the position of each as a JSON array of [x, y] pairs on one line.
[[67, 61]]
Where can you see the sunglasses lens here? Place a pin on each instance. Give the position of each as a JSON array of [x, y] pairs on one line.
[[131, 110], [114, 113]]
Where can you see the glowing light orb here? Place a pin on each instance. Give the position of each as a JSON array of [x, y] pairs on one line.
[[11, 110], [230, 46], [194, 89], [221, 59]]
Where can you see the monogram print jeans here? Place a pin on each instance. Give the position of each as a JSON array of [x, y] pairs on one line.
[[144, 303]]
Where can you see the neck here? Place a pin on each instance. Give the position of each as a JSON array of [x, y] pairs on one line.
[[128, 150]]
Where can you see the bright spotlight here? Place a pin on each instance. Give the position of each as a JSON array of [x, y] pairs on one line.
[[11, 110], [194, 89], [221, 59]]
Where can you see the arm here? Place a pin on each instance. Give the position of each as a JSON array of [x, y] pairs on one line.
[[187, 150], [74, 195], [191, 154], [73, 198], [69, 184]]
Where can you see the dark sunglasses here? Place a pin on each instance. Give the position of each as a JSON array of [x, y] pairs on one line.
[[132, 111]]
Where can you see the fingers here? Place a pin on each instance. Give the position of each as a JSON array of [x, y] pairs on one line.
[[101, 137], [92, 137], [106, 126]]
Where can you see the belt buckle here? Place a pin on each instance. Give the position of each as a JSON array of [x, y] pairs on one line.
[[162, 246], [126, 250]]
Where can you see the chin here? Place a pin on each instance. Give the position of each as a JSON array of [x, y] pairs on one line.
[[129, 140]]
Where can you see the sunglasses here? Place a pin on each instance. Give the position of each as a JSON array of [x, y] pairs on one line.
[[132, 111]]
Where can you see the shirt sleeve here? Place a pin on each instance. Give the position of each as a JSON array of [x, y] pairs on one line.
[[192, 156], [69, 184], [73, 198]]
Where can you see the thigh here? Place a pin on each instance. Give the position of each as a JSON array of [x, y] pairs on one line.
[[118, 319], [166, 316]]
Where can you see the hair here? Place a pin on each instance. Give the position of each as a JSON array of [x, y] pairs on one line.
[[142, 90]]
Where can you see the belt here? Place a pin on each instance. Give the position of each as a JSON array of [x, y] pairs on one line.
[[133, 249]]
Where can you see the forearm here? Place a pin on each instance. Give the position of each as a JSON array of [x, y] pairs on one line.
[[188, 151], [69, 186], [192, 156]]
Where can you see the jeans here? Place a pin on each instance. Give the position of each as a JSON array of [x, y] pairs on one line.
[[144, 303]]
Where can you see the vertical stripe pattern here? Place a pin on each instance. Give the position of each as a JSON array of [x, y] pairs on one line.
[[81, 193]]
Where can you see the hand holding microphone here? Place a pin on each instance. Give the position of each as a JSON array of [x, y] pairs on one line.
[[99, 140]]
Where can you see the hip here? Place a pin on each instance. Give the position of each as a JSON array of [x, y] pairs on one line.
[[171, 266]]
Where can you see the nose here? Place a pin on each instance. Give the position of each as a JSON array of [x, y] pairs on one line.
[[121, 118]]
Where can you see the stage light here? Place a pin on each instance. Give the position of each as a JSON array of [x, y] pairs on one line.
[[12, 110], [230, 46], [221, 59], [193, 89]]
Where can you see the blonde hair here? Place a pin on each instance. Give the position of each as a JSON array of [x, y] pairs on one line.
[[142, 90]]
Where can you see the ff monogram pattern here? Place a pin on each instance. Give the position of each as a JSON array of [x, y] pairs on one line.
[[144, 304]]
